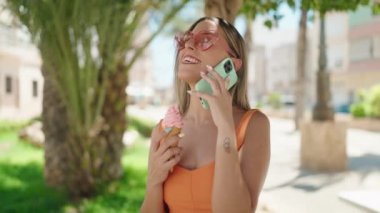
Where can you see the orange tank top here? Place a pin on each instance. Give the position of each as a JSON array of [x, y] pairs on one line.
[[190, 190]]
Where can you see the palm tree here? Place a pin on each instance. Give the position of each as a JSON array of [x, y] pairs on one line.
[[225, 9], [323, 110], [84, 45], [301, 69]]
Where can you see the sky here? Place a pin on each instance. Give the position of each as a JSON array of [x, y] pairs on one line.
[[162, 48]]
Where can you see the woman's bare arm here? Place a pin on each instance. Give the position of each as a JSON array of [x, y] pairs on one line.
[[238, 179], [162, 157], [255, 155], [153, 201]]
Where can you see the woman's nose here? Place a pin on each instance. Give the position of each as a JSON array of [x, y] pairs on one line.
[[190, 43]]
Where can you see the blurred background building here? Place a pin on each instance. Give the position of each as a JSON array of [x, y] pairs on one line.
[[139, 89], [353, 49], [21, 81], [257, 75], [361, 56]]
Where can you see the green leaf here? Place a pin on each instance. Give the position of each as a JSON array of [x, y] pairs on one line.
[[291, 3], [268, 23], [376, 8]]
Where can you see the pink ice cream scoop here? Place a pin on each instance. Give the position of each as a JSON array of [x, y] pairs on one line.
[[172, 124], [172, 120]]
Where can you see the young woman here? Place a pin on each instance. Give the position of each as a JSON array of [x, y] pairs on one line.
[[223, 154]]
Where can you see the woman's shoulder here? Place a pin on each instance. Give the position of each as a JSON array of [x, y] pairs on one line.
[[259, 117], [256, 115], [256, 131], [255, 118]]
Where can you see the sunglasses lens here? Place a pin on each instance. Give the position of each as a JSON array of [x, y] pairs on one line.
[[204, 41]]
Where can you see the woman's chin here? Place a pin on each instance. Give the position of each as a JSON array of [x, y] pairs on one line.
[[188, 77]]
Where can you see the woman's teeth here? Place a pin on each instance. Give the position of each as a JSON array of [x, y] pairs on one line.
[[190, 60]]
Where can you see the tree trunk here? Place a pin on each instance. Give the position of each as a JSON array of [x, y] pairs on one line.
[[111, 136], [79, 162], [101, 151], [301, 69], [225, 9], [248, 37], [55, 128], [323, 110]]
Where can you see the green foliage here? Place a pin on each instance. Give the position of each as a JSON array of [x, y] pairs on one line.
[[144, 127], [23, 189], [368, 103], [269, 9], [256, 7], [259, 104], [274, 100], [374, 101], [82, 43], [84, 46], [7, 125], [376, 8], [324, 6], [22, 186], [10, 125], [126, 194], [357, 110], [268, 23]]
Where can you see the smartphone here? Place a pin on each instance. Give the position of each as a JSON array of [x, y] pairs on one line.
[[224, 68]]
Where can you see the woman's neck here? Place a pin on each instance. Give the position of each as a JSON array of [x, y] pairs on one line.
[[196, 113], [199, 115]]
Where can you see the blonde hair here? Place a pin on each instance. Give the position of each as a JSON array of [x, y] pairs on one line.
[[237, 45]]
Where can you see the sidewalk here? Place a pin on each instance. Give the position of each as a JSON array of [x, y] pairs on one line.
[[290, 189]]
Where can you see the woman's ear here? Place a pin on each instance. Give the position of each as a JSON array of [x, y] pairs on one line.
[[237, 63]]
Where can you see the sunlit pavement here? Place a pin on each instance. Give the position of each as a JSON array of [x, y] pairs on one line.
[[290, 189]]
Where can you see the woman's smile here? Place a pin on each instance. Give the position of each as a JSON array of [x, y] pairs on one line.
[[188, 59]]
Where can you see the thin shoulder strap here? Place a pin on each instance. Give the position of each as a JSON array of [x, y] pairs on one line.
[[242, 128]]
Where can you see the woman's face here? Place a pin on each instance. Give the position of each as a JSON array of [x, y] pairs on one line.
[[192, 59]]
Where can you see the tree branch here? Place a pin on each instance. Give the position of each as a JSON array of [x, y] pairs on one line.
[[141, 49]]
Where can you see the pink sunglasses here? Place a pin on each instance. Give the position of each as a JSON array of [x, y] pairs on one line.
[[203, 40]]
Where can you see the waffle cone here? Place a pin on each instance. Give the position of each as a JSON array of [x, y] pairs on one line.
[[174, 131]]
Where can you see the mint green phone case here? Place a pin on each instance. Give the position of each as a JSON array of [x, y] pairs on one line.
[[224, 68]]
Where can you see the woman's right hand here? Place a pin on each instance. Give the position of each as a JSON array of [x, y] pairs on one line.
[[162, 156]]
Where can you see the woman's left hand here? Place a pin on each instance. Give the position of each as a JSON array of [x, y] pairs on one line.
[[220, 101]]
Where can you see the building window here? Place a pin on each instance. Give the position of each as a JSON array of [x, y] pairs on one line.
[[35, 89], [8, 84]]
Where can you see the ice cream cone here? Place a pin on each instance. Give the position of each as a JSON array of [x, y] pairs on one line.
[[172, 124], [172, 131]]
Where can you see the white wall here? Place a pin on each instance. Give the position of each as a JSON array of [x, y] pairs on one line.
[[23, 65], [8, 102], [30, 106]]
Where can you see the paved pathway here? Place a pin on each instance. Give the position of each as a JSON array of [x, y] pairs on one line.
[[290, 189]]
